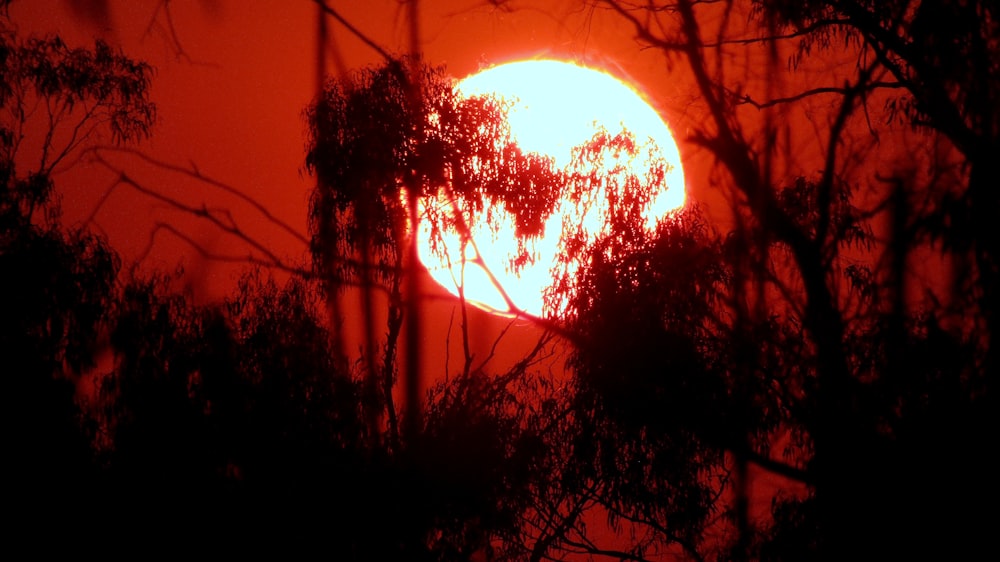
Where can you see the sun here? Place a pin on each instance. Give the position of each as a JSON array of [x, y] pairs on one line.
[[555, 107]]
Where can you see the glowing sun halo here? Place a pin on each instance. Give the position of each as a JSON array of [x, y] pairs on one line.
[[556, 106]]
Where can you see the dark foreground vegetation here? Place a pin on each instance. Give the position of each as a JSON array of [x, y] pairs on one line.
[[786, 345]]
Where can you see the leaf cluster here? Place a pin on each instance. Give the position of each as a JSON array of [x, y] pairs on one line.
[[390, 132], [108, 87]]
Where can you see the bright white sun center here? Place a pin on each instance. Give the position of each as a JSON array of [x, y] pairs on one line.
[[556, 106]]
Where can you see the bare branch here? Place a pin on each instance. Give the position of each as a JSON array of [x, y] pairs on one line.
[[843, 91], [195, 173], [355, 31]]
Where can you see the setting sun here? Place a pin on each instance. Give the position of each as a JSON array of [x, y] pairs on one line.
[[555, 108]]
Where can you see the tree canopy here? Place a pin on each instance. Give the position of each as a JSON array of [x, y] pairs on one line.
[[791, 344]]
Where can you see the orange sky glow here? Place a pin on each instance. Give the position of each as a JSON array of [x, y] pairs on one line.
[[556, 107], [233, 79], [231, 84]]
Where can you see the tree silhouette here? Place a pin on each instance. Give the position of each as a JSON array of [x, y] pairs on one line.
[[57, 282], [797, 322], [232, 426], [242, 419], [370, 148], [792, 340], [231, 416]]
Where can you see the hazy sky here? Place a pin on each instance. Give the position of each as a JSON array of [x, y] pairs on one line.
[[233, 78]]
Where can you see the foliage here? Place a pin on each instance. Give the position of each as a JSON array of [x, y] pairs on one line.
[[373, 141], [242, 418], [390, 128], [227, 413], [57, 283], [786, 344], [83, 92], [766, 343], [481, 454], [230, 426], [655, 400], [611, 181]]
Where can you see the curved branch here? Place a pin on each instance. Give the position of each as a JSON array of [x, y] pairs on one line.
[[195, 173], [745, 99]]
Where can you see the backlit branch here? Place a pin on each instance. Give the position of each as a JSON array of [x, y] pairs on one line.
[[326, 8], [842, 91], [169, 31], [222, 219], [196, 174], [249, 258]]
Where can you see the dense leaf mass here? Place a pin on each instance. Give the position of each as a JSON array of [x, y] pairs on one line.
[[794, 345], [390, 132]]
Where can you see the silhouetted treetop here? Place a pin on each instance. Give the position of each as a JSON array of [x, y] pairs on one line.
[[87, 89], [944, 52], [371, 137], [804, 345], [57, 284]]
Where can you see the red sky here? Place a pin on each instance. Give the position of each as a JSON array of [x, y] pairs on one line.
[[232, 79], [231, 93]]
